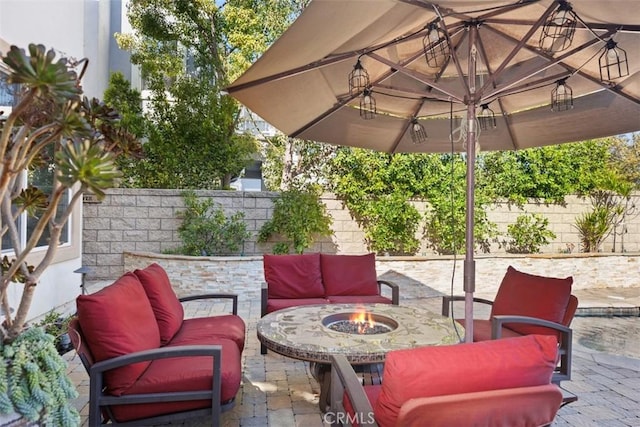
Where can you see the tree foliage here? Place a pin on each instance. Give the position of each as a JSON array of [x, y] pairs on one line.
[[188, 51], [362, 179], [378, 188], [546, 174], [625, 154]]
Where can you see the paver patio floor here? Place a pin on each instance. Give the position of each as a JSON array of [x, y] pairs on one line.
[[280, 392]]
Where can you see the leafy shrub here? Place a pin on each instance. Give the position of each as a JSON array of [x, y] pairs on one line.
[[298, 217], [528, 234], [444, 226], [593, 227], [206, 230]]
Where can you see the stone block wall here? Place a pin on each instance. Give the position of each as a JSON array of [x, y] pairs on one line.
[[143, 220]]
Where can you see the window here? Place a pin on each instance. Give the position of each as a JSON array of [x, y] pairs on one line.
[[41, 178]]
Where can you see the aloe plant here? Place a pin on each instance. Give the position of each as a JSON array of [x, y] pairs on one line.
[[52, 125]]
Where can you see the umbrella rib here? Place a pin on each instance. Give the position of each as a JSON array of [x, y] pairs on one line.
[[320, 63], [483, 53], [552, 61], [416, 95], [583, 25], [291, 72], [526, 87], [405, 128], [415, 75], [336, 106], [519, 46], [558, 61]]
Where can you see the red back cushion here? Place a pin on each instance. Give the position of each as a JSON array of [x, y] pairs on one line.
[[349, 274], [524, 294], [463, 368], [118, 320], [164, 302], [293, 276]]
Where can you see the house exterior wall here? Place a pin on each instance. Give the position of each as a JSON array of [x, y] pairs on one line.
[[139, 220], [75, 29]]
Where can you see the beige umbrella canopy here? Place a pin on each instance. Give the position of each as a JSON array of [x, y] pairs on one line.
[[418, 76]]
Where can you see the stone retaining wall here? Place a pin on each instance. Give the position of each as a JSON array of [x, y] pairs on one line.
[[244, 275], [144, 220]]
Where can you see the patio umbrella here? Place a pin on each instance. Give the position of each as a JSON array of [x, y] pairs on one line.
[[413, 76]]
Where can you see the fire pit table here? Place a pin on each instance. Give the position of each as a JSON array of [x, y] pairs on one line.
[[315, 332]]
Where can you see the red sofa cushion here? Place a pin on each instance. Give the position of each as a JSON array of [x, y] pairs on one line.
[[293, 276], [349, 275], [525, 294], [227, 326], [439, 370], [166, 306], [184, 374], [119, 320], [359, 299], [275, 304]]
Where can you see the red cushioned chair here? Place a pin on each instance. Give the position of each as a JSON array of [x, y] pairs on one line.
[[528, 304], [493, 383]]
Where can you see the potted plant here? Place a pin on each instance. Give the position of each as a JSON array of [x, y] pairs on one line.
[[57, 325], [53, 131]]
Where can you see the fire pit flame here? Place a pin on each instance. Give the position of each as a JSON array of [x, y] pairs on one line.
[[360, 323], [363, 321]]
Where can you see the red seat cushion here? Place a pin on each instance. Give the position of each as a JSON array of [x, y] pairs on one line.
[[525, 294], [372, 392], [482, 330], [359, 299], [349, 274], [166, 306], [275, 304], [227, 326], [184, 374], [119, 320], [487, 365], [293, 276]]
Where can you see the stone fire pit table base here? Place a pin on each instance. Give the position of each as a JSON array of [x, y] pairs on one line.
[[299, 333]]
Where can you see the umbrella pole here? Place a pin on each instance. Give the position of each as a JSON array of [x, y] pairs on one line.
[[469, 262]]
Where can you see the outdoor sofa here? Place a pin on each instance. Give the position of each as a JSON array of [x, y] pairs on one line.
[[145, 360], [315, 278]]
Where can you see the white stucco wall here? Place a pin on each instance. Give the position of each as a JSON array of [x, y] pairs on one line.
[[74, 28], [68, 26]]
